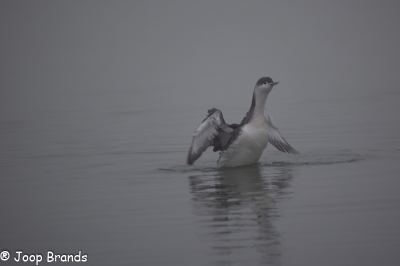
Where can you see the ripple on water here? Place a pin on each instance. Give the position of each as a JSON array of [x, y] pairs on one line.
[[318, 158], [304, 159]]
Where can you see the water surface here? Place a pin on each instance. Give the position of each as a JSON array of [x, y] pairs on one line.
[[112, 183]]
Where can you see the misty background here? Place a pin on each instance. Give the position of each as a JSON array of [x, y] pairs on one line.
[[55, 53], [99, 99]]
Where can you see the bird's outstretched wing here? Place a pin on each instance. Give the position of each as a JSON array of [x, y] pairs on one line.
[[275, 137], [213, 131]]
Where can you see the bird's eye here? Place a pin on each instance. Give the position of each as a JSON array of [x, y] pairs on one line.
[[265, 83]]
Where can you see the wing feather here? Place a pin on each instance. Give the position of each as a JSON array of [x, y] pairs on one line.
[[212, 128], [275, 137]]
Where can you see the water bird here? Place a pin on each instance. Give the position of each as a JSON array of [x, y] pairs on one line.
[[244, 143]]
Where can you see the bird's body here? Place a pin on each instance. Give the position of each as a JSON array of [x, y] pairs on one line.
[[248, 146], [244, 143]]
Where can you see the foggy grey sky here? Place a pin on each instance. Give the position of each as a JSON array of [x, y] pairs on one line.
[[52, 50]]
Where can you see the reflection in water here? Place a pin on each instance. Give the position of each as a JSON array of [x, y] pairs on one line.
[[237, 209]]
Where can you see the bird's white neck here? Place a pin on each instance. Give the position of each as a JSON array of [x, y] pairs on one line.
[[258, 103]]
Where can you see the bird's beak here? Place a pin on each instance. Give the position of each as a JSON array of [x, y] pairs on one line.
[[274, 83]]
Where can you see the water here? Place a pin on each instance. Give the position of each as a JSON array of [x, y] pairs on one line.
[[107, 177]]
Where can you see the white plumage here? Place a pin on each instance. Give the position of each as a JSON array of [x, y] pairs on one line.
[[248, 147]]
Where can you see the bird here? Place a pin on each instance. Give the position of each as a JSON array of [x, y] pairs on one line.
[[240, 144]]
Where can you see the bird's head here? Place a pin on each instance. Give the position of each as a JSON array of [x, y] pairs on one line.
[[265, 85]]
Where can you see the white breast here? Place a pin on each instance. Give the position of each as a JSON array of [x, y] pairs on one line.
[[248, 147]]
